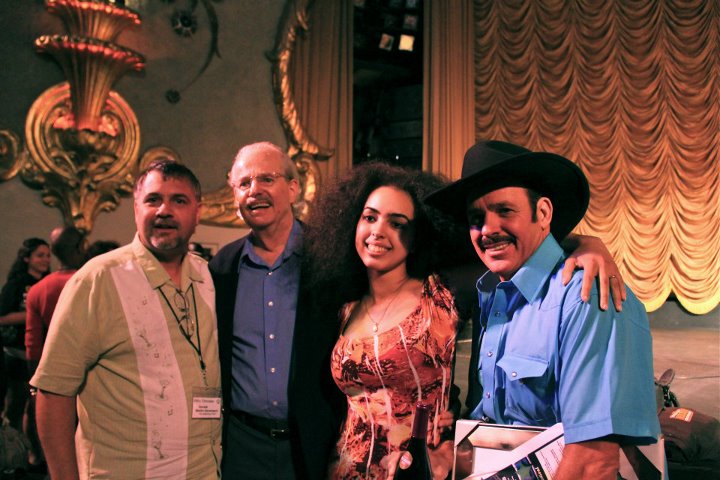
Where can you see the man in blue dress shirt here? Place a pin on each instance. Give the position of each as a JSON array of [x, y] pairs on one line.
[[540, 354], [280, 419]]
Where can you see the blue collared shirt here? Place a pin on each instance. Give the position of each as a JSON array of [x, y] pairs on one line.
[[546, 356], [263, 326]]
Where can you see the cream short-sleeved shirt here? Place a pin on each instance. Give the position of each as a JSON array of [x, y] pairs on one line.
[[116, 344]]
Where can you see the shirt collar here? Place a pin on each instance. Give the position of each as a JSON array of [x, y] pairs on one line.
[[292, 247], [531, 277], [156, 273]]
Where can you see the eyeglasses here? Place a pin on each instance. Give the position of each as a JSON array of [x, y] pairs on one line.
[[262, 179], [185, 320]]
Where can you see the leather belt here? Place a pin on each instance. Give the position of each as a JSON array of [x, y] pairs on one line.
[[275, 429]]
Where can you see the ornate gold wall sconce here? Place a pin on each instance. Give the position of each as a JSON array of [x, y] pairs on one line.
[[82, 138]]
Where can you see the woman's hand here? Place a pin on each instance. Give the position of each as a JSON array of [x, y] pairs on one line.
[[594, 258], [445, 420], [441, 461]]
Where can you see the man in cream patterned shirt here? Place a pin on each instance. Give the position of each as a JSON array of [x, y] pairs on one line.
[[133, 343]]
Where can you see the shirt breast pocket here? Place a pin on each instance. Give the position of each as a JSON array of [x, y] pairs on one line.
[[529, 389]]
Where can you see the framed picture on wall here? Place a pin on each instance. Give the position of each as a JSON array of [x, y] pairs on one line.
[[386, 42], [410, 22]]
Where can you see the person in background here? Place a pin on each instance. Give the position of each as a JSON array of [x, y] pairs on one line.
[[68, 245], [198, 249], [540, 354], [133, 342], [98, 247], [30, 266]]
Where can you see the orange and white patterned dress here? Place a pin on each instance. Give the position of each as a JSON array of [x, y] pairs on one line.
[[384, 376]]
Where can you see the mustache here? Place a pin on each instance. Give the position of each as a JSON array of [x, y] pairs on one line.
[[493, 239], [260, 198], [165, 224]]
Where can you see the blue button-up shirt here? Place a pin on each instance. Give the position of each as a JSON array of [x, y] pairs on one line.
[[546, 356], [263, 326]]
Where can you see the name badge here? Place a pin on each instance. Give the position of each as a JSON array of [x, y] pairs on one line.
[[206, 402]]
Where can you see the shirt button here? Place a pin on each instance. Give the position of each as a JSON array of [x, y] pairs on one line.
[[513, 374], [271, 336], [497, 314], [270, 303], [275, 403], [272, 370], [269, 273], [489, 354], [487, 395]]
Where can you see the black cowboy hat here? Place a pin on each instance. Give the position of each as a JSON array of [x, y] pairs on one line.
[[491, 165]]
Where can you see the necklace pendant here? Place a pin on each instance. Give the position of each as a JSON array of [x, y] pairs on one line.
[[375, 328]]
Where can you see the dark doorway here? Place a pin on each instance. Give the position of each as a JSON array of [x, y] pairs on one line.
[[388, 81]]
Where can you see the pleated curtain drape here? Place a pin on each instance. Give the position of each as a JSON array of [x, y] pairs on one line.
[[631, 92], [448, 118], [628, 90]]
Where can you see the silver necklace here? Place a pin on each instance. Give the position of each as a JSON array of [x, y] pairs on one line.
[[376, 323]]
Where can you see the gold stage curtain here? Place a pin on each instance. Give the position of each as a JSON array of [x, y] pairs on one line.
[[631, 92], [448, 86]]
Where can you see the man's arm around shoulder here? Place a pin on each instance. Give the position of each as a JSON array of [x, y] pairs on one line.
[[56, 418], [596, 459]]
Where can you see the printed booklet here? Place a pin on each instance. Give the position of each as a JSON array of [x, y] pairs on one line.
[[486, 451]]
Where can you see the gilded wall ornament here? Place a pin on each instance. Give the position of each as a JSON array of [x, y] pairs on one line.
[[11, 154], [82, 139], [81, 172]]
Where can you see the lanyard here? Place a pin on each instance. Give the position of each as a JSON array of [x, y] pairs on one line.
[[188, 333]]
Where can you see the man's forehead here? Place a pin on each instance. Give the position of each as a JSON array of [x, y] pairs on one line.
[[156, 182], [259, 161], [500, 195]]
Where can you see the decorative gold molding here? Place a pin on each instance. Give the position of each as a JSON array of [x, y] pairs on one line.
[[158, 153], [82, 139], [12, 154], [80, 172], [219, 205], [295, 17]]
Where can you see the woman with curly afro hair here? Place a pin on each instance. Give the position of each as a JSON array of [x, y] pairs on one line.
[[374, 247]]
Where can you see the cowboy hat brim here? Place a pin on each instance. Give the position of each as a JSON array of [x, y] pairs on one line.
[[548, 174]]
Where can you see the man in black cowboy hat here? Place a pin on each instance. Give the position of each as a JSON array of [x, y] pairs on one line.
[[540, 354]]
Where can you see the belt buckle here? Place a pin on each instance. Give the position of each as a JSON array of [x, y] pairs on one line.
[[277, 433]]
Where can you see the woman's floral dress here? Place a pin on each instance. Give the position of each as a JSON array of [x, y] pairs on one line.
[[384, 376]]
